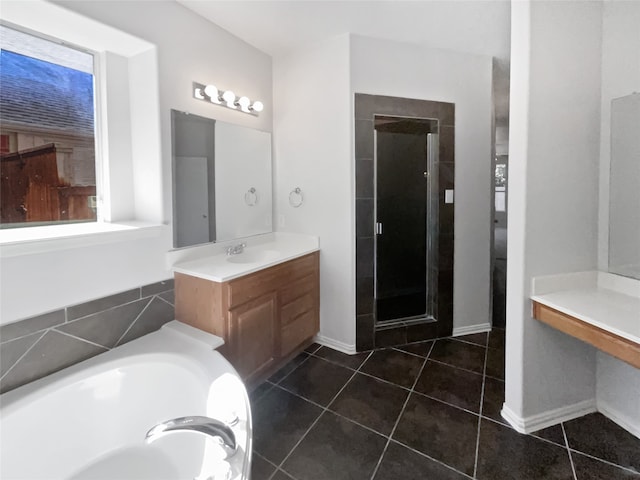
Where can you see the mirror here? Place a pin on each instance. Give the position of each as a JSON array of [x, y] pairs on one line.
[[221, 180], [624, 185]]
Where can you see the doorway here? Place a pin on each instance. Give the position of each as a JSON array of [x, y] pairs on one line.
[[404, 244], [406, 219]]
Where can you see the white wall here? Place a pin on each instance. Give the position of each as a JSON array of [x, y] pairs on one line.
[[618, 385], [554, 144], [189, 49], [312, 150], [313, 128], [382, 67]]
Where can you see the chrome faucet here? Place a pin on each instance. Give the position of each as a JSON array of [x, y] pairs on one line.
[[236, 249], [208, 426]]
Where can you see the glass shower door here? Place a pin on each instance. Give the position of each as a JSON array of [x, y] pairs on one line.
[[404, 231]]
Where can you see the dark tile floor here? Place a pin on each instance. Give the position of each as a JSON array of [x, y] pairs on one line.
[[429, 410]]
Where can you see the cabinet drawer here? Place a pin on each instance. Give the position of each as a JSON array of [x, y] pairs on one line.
[[291, 311], [298, 330], [298, 289], [260, 283]]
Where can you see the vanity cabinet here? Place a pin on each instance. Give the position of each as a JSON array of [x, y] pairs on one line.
[[264, 317]]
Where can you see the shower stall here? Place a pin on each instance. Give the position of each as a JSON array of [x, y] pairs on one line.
[[404, 151]]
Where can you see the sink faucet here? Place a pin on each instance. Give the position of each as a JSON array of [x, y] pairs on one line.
[[236, 249], [208, 426]]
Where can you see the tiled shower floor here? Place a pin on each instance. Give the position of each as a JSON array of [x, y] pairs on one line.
[[430, 410]]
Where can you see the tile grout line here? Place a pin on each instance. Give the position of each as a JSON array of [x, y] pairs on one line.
[[404, 406], [42, 330], [162, 299], [81, 339], [331, 411], [132, 323], [460, 368], [324, 410], [23, 355], [484, 377], [435, 460], [628, 469], [113, 307], [66, 320], [566, 444]]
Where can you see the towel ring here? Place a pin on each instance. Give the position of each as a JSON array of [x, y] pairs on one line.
[[251, 197], [296, 198]]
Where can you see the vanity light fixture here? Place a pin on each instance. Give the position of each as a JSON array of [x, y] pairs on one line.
[[226, 98]]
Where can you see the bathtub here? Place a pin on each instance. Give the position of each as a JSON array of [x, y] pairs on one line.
[[89, 421]]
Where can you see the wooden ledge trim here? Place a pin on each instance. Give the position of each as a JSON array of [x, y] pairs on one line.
[[619, 347]]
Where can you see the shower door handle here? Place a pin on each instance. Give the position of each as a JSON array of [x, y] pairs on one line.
[[378, 228]]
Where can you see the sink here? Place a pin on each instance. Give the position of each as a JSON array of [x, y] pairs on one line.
[[256, 256]]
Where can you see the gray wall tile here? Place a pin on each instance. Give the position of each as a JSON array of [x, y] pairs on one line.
[[390, 337], [364, 139], [101, 304], [169, 296], [156, 288], [364, 178], [364, 332], [52, 347], [446, 114], [364, 217], [31, 325], [53, 352], [364, 256], [11, 351], [106, 328], [447, 145], [364, 295], [151, 319]]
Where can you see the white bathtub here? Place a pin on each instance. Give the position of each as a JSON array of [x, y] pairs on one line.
[[90, 420]]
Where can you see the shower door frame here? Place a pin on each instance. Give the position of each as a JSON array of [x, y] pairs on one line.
[[431, 227]]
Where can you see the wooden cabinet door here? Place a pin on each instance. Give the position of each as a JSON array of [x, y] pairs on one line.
[[252, 335]]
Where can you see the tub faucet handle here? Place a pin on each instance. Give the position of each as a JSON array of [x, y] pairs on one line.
[[205, 425]]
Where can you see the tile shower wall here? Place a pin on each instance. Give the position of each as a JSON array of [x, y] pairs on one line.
[[366, 107], [39, 346]]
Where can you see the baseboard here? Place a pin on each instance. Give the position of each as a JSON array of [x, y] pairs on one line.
[[548, 418], [335, 344], [615, 416], [469, 329]]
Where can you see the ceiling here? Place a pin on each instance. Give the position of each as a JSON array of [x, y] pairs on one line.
[[279, 27]]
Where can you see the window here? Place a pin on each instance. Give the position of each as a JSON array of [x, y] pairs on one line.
[[130, 195], [48, 158]]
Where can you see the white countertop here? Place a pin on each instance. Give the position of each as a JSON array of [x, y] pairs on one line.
[[259, 253], [607, 301]]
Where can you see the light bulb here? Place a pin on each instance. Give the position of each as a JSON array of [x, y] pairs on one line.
[[229, 97], [244, 103], [198, 94], [212, 92], [257, 106]]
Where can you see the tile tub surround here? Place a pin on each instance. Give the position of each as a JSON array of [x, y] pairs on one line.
[[366, 107], [428, 410], [38, 346]]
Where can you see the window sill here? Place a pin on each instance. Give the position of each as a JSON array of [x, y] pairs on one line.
[[32, 240]]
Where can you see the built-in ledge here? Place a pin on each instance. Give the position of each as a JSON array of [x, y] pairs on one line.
[[596, 307]]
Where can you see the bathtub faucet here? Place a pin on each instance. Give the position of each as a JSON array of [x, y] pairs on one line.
[[208, 426]]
